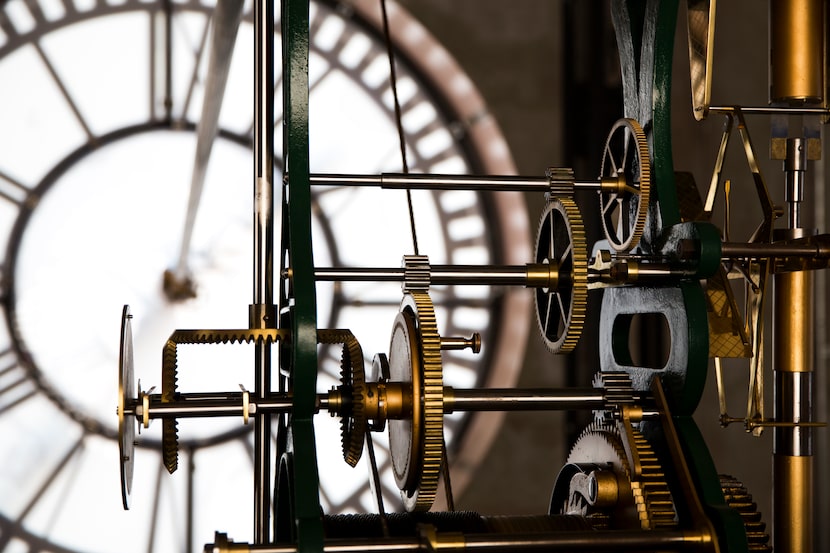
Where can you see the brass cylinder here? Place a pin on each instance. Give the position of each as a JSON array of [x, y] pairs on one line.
[[793, 344], [793, 504], [796, 50], [793, 322]]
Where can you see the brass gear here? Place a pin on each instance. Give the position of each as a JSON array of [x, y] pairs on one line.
[[618, 391], [170, 377], [625, 179], [647, 502], [417, 445], [353, 423], [738, 498], [560, 313]]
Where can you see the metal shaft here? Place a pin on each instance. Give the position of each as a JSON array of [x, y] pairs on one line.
[[226, 19], [605, 541], [793, 461], [397, 181], [483, 399], [507, 275], [263, 293]]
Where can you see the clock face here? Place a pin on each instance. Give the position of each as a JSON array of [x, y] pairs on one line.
[[98, 107]]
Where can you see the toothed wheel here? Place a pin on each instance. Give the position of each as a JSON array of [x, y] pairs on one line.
[[417, 445], [560, 313], [353, 426], [169, 427], [618, 391], [625, 185], [643, 500], [738, 498], [169, 374]]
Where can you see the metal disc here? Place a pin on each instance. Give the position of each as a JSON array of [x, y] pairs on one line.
[[126, 393]]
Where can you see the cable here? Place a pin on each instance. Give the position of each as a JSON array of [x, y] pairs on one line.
[[394, 83]]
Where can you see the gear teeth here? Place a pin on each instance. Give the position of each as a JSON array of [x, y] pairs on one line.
[[354, 425], [652, 497], [433, 412], [170, 377], [637, 227], [737, 497], [169, 389], [618, 392], [562, 335]]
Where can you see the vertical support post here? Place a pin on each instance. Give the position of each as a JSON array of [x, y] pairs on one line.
[[261, 312], [793, 363], [793, 461]]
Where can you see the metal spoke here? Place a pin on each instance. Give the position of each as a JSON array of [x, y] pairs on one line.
[[151, 539], [56, 78], [226, 21], [59, 467]]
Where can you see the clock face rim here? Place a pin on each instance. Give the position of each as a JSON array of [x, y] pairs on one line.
[[480, 129]]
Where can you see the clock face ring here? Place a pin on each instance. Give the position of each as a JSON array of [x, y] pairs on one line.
[[90, 153]]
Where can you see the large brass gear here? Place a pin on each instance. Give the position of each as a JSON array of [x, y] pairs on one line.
[[560, 240], [738, 498], [644, 499], [625, 178], [417, 444]]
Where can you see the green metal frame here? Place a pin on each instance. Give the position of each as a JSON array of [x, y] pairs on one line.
[[297, 247], [645, 36]]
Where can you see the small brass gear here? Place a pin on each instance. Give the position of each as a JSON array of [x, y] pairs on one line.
[[417, 444], [644, 499], [353, 423], [618, 392], [738, 498], [625, 189], [169, 427], [560, 313]]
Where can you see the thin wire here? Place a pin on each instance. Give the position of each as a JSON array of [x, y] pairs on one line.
[[394, 82], [378, 489], [447, 483]]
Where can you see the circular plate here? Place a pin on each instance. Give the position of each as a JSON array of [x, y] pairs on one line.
[[126, 393], [560, 312], [416, 444], [623, 210]]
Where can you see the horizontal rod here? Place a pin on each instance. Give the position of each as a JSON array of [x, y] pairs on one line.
[[769, 110], [484, 399], [751, 249], [492, 275], [500, 183], [596, 541]]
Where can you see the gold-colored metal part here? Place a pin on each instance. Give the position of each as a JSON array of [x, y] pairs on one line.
[[169, 374], [388, 400], [643, 496], [796, 50], [560, 241], [561, 181], [793, 312], [778, 148], [617, 191], [417, 444], [738, 498], [793, 519], [727, 335], [353, 423], [701, 27], [699, 519], [543, 275]]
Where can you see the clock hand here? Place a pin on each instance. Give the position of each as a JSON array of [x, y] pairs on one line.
[[178, 284]]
